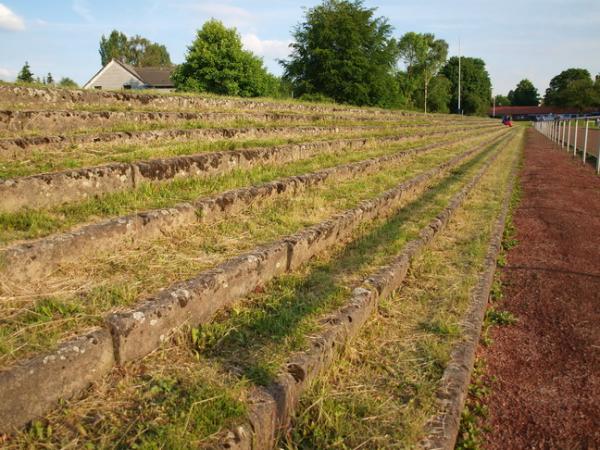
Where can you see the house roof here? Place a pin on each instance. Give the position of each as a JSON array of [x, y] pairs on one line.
[[151, 76], [536, 110]]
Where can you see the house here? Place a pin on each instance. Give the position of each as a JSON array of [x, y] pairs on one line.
[[118, 75]]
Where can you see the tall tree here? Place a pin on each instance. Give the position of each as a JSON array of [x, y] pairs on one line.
[[476, 87], [525, 94], [137, 50], [344, 52], [424, 56], [216, 62], [49, 79], [502, 100], [411, 50], [25, 75], [572, 87], [115, 46]]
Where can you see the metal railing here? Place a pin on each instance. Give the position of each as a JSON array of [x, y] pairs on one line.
[[579, 134]]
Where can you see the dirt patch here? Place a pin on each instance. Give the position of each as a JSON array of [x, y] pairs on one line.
[[547, 365]]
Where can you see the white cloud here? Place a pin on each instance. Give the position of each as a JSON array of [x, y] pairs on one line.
[[268, 49], [9, 20], [7, 74], [82, 9]]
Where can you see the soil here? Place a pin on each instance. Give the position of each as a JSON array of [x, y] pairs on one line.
[[546, 394]]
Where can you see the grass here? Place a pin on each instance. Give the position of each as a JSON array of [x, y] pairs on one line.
[[384, 390], [66, 129], [245, 344], [77, 156], [115, 279], [475, 412], [33, 223]]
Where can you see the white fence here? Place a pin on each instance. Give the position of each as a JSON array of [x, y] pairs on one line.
[[580, 134]]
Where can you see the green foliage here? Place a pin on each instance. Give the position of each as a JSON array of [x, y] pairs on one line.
[[217, 63], [502, 100], [49, 79], [344, 52], [439, 95], [66, 82], [424, 56], [25, 75], [137, 51], [573, 88], [476, 87], [494, 317], [524, 95]]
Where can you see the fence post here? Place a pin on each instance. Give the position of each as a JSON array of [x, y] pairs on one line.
[[564, 133], [585, 140], [575, 140], [569, 137], [598, 155]]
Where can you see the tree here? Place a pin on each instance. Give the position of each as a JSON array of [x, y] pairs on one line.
[[525, 94], [25, 75], [572, 87], [411, 50], [216, 62], [440, 94], [424, 56], [137, 51], [476, 87], [144, 53], [49, 79], [115, 46], [66, 82], [502, 100], [344, 52]]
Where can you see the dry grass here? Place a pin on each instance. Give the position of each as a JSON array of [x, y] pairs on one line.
[[383, 390], [147, 404], [22, 163], [36, 315], [33, 223]]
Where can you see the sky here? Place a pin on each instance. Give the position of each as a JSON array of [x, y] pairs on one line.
[[534, 39]]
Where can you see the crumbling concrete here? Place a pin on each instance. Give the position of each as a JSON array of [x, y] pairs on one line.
[[272, 408], [142, 329], [31, 388], [39, 257], [47, 190]]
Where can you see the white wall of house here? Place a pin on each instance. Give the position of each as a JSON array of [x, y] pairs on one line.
[[114, 76]]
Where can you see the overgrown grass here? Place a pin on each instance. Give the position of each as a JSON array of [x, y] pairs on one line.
[[475, 412], [243, 122], [115, 279], [384, 390], [245, 344], [30, 223], [84, 155]]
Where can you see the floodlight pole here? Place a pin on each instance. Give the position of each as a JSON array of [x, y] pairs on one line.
[[459, 110]]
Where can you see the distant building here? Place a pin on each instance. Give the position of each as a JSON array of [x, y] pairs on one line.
[[539, 112], [118, 75]]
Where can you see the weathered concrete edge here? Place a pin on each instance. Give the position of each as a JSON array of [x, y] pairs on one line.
[[20, 145], [442, 429], [64, 119], [141, 329], [271, 408], [78, 96], [49, 189], [32, 387], [22, 261]]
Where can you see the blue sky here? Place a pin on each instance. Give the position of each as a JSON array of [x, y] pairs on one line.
[[533, 39]]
